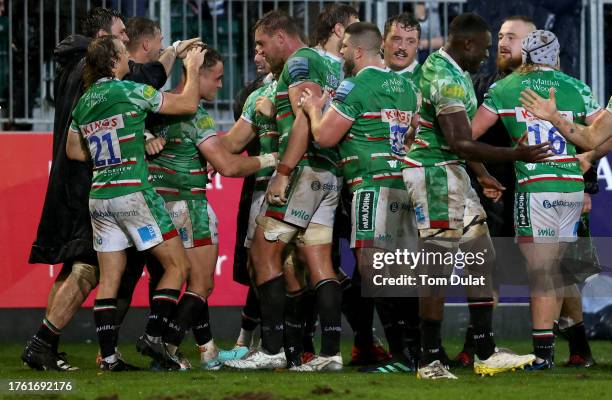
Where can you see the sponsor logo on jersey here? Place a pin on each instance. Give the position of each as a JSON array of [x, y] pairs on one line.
[[315, 185], [301, 214], [561, 203], [148, 92], [394, 206], [146, 233], [205, 122], [523, 115], [530, 166], [522, 212], [420, 214], [550, 232], [114, 122], [453, 91], [343, 90], [365, 210], [298, 68]]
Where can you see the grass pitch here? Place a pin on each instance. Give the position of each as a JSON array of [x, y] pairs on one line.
[[89, 383]]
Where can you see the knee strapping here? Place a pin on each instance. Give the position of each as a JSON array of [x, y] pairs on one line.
[[86, 272]]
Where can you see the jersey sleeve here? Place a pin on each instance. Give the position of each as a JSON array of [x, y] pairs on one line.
[[304, 67], [248, 110], [490, 99], [205, 127], [346, 102], [446, 92], [74, 126], [591, 106], [146, 97]]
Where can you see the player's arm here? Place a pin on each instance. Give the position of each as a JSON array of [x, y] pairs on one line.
[[329, 129], [585, 137], [299, 137], [177, 50], [232, 165], [591, 157], [483, 121], [456, 128], [75, 148], [187, 101], [239, 136]]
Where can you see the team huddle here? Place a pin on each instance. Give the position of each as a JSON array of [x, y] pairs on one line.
[[355, 140]]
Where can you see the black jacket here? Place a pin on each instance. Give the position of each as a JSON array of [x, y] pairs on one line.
[[64, 232]]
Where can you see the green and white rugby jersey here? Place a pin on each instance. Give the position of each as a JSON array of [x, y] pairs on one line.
[[110, 117], [306, 65], [443, 84], [179, 171], [574, 100], [381, 105], [414, 72], [264, 127]]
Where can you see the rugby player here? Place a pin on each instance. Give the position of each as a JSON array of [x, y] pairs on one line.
[[307, 216], [586, 137], [446, 206], [401, 45], [108, 128], [179, 176], [369, 119], [541, 229]]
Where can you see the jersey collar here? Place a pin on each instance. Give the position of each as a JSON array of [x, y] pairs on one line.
[[326, 53], [409, 68], [450, 59], [106, 79], [385, 69]]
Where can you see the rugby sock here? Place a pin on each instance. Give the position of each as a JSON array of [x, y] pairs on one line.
[[412, 332], [163, 304], [272, 302], [359, 312], [468, 342], [188, 309], [576, 336], [294, 327], [481, 319], [543, 343], [105, 316], [430, 341], [392, 323], [201, 326], [49, 333], [329, 298], [250, 312], [309, 316]]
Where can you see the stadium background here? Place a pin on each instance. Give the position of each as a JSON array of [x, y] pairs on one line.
[[29, 30]]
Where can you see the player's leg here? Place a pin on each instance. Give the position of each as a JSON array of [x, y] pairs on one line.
[[41, 351], [296, 289], [571, 327]]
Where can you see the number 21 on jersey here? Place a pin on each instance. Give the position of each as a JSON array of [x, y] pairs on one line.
[[104, 148]]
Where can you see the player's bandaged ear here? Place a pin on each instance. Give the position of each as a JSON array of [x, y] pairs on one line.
[[315, 234], [275, 230], [87, 272]]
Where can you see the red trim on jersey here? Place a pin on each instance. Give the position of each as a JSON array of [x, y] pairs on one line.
[[106, 185], [197, 172], [127, 139], [364, 243], [524, 239], [170, 235], [202, 242], [285, 115], [376, 139], [512, 114], [438, 224], [380, 178], [425, 123], [163, 169], [551, 178], [275, 214], [371, 116]]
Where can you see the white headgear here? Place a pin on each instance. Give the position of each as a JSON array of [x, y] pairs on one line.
[[540, 47]]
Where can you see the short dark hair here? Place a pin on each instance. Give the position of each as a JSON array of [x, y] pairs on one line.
[[137, 27], [404, 20], [211, 58], [100, 59], [522, 18], [277, 20], [331, 15], [99, 18], [365, 34], [466, 25]]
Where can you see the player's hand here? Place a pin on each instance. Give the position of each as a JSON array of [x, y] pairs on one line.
[[491, 187], [585, 162], [276, 190], [311, 103], [183, 46], [265, 107], [532, 153], [210, 170], [194, 58], [155, 146], [586, 204], [542, 108]]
